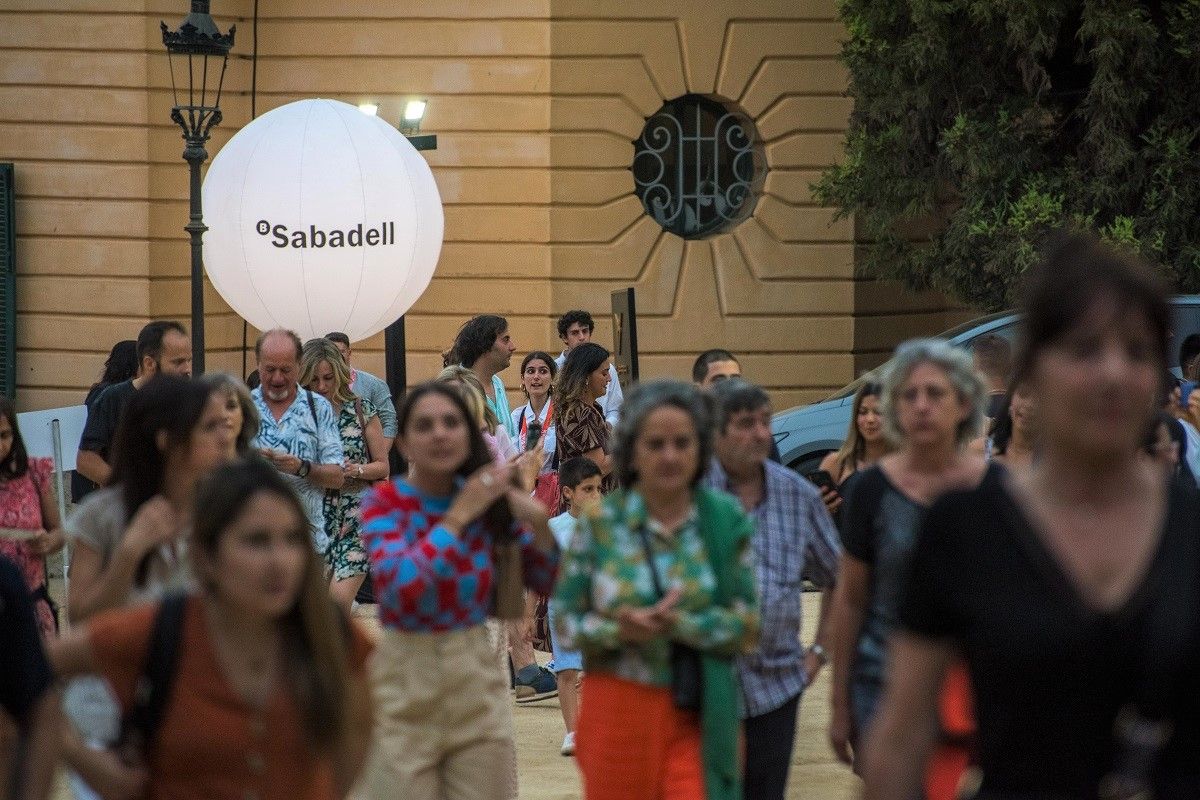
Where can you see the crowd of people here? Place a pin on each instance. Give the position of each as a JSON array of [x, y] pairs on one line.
[[1004, 548]]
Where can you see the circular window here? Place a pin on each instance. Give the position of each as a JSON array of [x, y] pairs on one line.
[[698, 166]]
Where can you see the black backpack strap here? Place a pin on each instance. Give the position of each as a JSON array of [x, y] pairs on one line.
[[312, 407], [153, 688]]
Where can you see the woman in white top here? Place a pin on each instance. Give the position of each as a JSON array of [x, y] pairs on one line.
[[538, 371]]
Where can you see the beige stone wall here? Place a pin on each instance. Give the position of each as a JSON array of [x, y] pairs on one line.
[[535, 104], [101, 187], [777, 289]]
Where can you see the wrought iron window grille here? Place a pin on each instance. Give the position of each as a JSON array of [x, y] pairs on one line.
[[698, 166]]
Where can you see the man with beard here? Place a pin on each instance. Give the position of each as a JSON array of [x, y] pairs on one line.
[[298, 434]]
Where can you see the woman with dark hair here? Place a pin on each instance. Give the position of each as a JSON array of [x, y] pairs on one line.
[[1070, 587], [30, 528], [865, 444], [1010, 439], [452, 542], [582, 429], [271, 697], [120, 366], [658, 592], [128, 538], [538, 371]]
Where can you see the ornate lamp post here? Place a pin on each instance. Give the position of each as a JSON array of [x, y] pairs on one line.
[[196, 113]]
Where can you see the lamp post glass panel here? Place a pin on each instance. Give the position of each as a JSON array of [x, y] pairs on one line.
[[203, 50]]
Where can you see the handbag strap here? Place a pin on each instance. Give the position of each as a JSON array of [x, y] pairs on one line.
[[153, 688], [658, 588]]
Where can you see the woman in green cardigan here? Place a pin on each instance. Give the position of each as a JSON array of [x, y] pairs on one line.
[[661, 564]]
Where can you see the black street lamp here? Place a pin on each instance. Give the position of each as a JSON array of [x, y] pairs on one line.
[[198, 39]]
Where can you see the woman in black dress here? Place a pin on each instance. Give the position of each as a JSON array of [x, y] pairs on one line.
[[1070, 588], [932, 407]]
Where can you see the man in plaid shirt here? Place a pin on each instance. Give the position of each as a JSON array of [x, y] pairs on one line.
[[794, 539]]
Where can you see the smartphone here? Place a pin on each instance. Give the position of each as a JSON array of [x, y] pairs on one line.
[[533, 435], [822, 480], [1185, 392]]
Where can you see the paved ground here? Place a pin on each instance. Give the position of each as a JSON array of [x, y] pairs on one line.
[[546, 775]]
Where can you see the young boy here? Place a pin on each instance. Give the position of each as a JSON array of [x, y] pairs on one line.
[[579, 482]]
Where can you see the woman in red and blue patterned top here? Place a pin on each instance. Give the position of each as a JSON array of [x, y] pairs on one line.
[[433, 538]]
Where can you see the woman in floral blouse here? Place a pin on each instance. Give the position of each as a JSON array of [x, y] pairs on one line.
[[634, 737], [29, 524], [325, 372], [582, 429]]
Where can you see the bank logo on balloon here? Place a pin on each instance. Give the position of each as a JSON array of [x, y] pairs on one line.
[[385, 234], [321, 219]]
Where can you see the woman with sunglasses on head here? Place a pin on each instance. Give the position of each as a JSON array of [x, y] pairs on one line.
[[1069, 587], [324, 371], [269, 697], [451, 543]]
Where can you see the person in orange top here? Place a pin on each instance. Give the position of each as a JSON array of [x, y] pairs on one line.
[[269, 697]]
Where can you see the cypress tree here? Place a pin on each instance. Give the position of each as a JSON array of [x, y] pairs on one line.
[[981, 125]]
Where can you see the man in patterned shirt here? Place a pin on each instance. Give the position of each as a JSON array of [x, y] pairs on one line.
[[794, 539], [299, 433]]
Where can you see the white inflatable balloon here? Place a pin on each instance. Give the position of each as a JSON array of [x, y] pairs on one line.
[[321, 219]]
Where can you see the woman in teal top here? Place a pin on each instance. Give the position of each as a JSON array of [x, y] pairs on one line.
[[627, 614]]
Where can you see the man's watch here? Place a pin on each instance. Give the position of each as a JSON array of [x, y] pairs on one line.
[[305, 468], [821, 653]]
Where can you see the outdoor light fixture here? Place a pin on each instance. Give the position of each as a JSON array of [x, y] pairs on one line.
[[370, 109], [196, 112], [414, 112]]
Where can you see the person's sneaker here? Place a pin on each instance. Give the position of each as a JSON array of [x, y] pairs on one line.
[[535, 683], [568, 747]]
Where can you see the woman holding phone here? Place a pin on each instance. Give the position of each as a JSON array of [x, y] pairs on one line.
[[325, 372], [1070, 587], [865, 444], [444, 542], [538, 371]]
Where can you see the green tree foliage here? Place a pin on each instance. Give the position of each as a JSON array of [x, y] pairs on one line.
[[980, 125]]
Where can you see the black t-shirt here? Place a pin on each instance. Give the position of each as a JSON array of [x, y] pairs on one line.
[[24, 672], [879, 528], [103, 418], [81, 487], [1049, 673]]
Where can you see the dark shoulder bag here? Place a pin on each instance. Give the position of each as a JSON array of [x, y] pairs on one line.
[[687, 680], [153, 688]]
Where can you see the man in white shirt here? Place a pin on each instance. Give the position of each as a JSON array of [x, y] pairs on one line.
[[575, 328]]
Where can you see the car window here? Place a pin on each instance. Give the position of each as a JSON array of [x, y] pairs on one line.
[[1008, 330], [1185, 320]]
